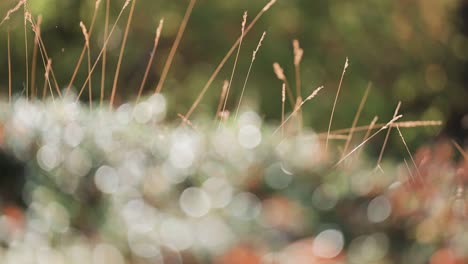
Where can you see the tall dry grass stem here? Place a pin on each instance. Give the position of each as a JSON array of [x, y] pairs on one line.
[[279, 72], [37, 31], [226, 57], [122, 49], [283, 101], [221, 98], [367, 140], [387, 136], [175, 45], [460, 149], [356, 117], [104, 54], [254, 55], [298, 107], [26, 53], [47, 81], [85, 47], [86, 37], [150, 61], [244, 21], [405, 124], [409, 153], [12, 10], [9, 65], [334, 103], [102, 49]]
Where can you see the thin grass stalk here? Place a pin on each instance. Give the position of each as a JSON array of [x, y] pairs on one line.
[[122, 49], [387, 136], [244, 21], [104, 55], [174, 47], [334, 103], [150, 61], [254, 55], [356, 117], [226, 57]]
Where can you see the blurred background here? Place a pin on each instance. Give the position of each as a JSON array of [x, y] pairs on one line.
[[122, 187], [412, 51]]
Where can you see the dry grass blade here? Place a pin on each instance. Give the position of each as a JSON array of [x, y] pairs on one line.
[[37, 31], [150, 61], [26, 53], [226, 57], [9, 65], [244, 21], [44, 55], [410, 173], [403, 124], [122, 49], [387, 136], [85, 47], [298, 53], [254, 54], [86, 36], [356, 117], [283, 101], [174, 47], [298, 107], [409, 153], [47, 81], [334, 103], [279, 72], [367, 140], [104, 53], [369, 130], [460, 149], [13, 10], [221, 98]]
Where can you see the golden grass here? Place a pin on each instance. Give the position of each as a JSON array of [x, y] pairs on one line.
[[47, 81], [104, 54], [298, 53], [387, 136], [334, 103], [174, 47], [403, 124], [367, 140], [226, 57], [254, 55], [122, 49], [356, 117], [298, 107], [279, 72], [283, 101], [9, 65], [244, 21], [460, 149], [86, 37], [150, 61], [43, 52], [221, 98], [12, 10], [102, 50], [409, 153], [26, 55], [37, 31], [85, 47]]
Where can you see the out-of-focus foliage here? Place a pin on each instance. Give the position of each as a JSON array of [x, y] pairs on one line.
[[125, 186]]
